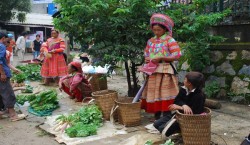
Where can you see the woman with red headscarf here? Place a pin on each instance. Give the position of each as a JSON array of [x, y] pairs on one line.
[[75, 84], [162, 86]]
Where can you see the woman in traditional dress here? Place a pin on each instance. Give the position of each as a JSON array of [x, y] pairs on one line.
[[75, 84], [54, 65], [162, 86]]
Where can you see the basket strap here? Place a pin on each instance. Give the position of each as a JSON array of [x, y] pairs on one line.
[[90, 78], [90, 101], [112, 113], [168, 125]]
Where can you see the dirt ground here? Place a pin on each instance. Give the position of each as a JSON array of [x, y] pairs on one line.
[[230, 124]]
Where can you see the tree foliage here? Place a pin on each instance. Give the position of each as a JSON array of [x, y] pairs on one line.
[[193, 30], [14, 8], [121, 29]]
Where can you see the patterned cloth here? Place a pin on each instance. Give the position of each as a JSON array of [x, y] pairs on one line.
[[76, 85], [54, 66], [163, 20], [162, 86]]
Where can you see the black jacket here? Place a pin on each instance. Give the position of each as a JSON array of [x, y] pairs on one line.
[[195, 100]]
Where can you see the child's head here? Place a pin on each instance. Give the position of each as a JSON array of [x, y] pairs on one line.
[[194, 80], [74, 67]]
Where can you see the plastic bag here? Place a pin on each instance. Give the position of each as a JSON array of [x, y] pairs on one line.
[[149, 68]]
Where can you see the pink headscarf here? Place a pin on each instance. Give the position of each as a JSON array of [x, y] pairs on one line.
[[163, 20]]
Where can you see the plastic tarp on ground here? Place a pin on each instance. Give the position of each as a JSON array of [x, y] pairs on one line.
[[107, 130]]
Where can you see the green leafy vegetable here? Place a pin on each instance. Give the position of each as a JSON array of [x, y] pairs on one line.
[[28, 89], [32, 71], [149, 142], [19, 78], [45, 100], [168, 142], [83, 123]]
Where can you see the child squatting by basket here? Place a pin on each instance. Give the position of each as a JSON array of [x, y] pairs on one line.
[[190, 100]]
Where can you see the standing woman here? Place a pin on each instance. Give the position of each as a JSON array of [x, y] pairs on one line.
[[54, 65], [162, 86]]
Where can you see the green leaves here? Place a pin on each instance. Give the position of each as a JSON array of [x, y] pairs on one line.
[[83, 123], [14, 8]]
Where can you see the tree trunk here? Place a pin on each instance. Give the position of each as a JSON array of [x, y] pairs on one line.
[[128, 77]]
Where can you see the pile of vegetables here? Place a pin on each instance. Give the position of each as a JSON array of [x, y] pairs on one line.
[[83, 123], [45, 100], [168, 142], [31, 72], [19, 78], [28, 89]]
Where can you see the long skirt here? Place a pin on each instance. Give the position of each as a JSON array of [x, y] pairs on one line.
[[54, 67], [83, 90], [160, 92]]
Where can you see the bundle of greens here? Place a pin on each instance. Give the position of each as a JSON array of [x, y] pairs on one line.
[[83, 123], [19, 78], [22, 98], [46, 100], [28, 89], [32, 71]]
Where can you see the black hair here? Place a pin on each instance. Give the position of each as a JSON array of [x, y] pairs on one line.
[[2, 34], [163, 27], [196, 79], [38, 35], [24, 34], [55, 31]]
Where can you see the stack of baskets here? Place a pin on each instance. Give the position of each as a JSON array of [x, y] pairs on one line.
[[98, 82], [129, 114], [195, 129], [105, 100]]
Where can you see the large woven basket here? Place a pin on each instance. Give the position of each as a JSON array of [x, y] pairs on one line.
[[195, 129], [129, 114], [98, 82], [105, 100]]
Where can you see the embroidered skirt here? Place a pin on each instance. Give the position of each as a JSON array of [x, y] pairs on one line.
[[54, 66], [160, 92]]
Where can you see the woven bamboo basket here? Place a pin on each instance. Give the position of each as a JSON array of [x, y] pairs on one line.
[[105, 100], [98, 82], [129, 114], [195, 129]]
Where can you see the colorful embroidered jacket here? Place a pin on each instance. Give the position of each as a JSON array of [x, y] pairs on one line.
[[162, 47]]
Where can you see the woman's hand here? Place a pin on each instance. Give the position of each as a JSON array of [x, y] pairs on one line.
[[187, 109], [174, 107], [156, 60], [147, 59]]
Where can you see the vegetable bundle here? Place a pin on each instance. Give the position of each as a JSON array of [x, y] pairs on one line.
[[31, 71], [28, 89], [46, 100], [83, 123]]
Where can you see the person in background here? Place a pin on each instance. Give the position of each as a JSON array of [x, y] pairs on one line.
[[190, 100], [75, 84], [36, 46], [7, 93], [21, 45], [11, 46], [162, 49], [54, 64]]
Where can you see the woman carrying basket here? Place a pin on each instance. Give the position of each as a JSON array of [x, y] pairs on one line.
[[161, 50]]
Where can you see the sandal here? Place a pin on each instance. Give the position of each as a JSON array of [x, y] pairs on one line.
[[18, 117]]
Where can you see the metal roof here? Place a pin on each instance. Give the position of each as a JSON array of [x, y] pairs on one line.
[[33, 19]]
